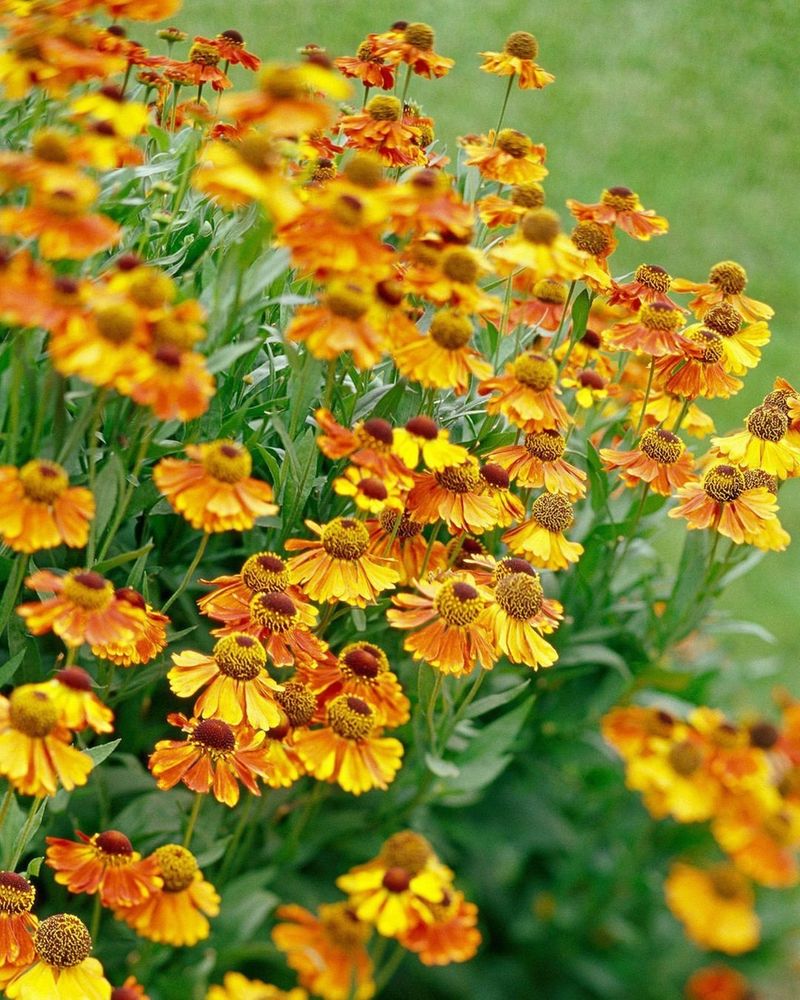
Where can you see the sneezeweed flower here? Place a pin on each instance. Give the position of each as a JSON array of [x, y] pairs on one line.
[[761, 839], [235, 986], [443, 359], [405, 544], [448, 275], [590, 388], [108, 105], [539, 461], [349, 751], [40, 510], [723, 503], [544, 308], [382, 129], [368, 492], [763, 444], [339, 566], [105, 863], [367, 67], [452, 936], [443, 623], [742, 344], [718, 982], [526, 394], [697, 369], [237, 687], [715, 907], [651, 282], [541, 538], [149, 638], [36, 754], [655, 331], [285, 766], [370, 443], [518, 59], [63, 969], [675, 779], [454, 495], [497, 212], [213, 758], [422, 438], [621, 207], [495, 484], [177, 913], [17, 925], [130, 990], [509, 156], [660, 459], [516, 618], [362, 669], [328, 951], [664, 408], [214, 490], [84, 609], [727, 281], [78, 706], [413, 45]]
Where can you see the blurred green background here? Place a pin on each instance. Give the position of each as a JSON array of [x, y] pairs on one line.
[[685, 102]]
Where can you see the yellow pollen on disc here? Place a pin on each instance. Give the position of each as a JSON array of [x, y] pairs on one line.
[[548, 290], [660, 316], [204, 54], [724, 483], [458, 603], [298, 703], [265, 571], [458, 478], [177, 865], [151, 288], [540, 226], [755, 478], [514, 143], [685, 758], [51, 145], [727, 882], [592, 237], [653, 276], [17, 895], [116, 321], [728, 276], [62, 941], [723, 319], [227, 461], [42, 480], [450, 330], [347, 300], [273, 610], [343, 928], [520, 595], [364, 170], [553, 511], [409, 528], [767, 423], [420, 35], [535, 371], [88, 589], [620, 198], [460, 264], [530, 195], [240, 656], [711, 343], [522, 45], [345, 538], [662, 446], [352, 718], [407, 850], [385, 108]]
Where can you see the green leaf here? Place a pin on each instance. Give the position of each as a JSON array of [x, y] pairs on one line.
[[8, 669], [224, 358], [484, 705], [580, 315], [34, 866], [108, 487], [441, 768], [102, 752]]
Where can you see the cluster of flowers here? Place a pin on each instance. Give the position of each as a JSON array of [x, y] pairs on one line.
[[744, 781]]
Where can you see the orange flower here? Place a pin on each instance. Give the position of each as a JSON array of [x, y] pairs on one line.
[[104, 863], [412, 44], [619, 206], [150, 636], [339, 566], [426, 202], [539, 462], [84, 609], [451, 937], [289, 100], [664, 408], [651, 282], [327, 951], [526, 394], [495, 484], [237, 687], [348, 751], [654, 331], [697, 370], [727, 281], [518, 59], [367, 67], [35, 750], [173, 383], [675, 778], [453, 494], [541, 539], [382, 129], [660, 460], [214, 757], [285, 766], [516, 618], [369, 443], [63, 969], [214, 491], [453, 638], [761, 841], [39, 509], [545, 309], [237, 987], [130, 990], [714, 906], [176, 913], [17, 925], [78, 706], [344, 321], [718, 982], [508, 156], [723, 503], [443, 359]]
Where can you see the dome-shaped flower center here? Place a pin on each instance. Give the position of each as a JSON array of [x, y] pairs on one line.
[[361, 664], [204, 54], [88, 589], [265, 571], [723, 483], [420, 35], [177, 865], [535, 371], [17, 895], [32, 712], [298, 702], [767, 423], [151, 288], [239, 655], [352, 718], [548, 290], [589, 379], [662, 446], [344, 538], [553, 511], [274, 611], [43, 481], [522, 45], [519, 595], [460, 264], [547, 446], [593, 238], [514, 143], [653, 276], [364, 170], [258, 151], [660, 316], [458, 478], [510, 565], [723, 319], [727, 882], [384, 108], [458, 603], [282, 83], [348, 211], [214, 735], [408, 527], [376, 433], [396, 880], [728, 276], [343, 928], [74, 678], [530, 195], [227, 461], [373, 489], [406, 850], [710, 344], [685, 758], [116, 321], [540, 226], [423, 427], [758, 478], [346, 299], [763, 735], [779, 398], [168, 356], [114, 843], [591, 340], [67, 204], [459, 551], [495, 476], [390, 292], [62, 940], [51, 145], [620, 198]]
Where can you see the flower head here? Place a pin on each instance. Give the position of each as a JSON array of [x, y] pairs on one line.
[[39, 509], [63, 969], [105, 863]]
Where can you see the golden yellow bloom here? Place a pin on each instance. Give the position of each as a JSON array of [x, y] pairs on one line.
[[541, 539], [39, 509], [63, 969], [236, 987], [518, 59], [17, 925], [715, 907]]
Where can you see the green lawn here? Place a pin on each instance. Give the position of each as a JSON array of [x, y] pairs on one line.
[[688, 103]]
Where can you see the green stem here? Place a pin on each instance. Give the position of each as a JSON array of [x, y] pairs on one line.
[[7, 798], [94, 429], [25, 833], [233, 846], [385, 974], [405, 89], [428, 552], [198, 801], [122, 509], [15, 398], [430, 714], [684, 410], [187, 579], [97, 909], [646, 398], [12, 589], [503, 109]]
